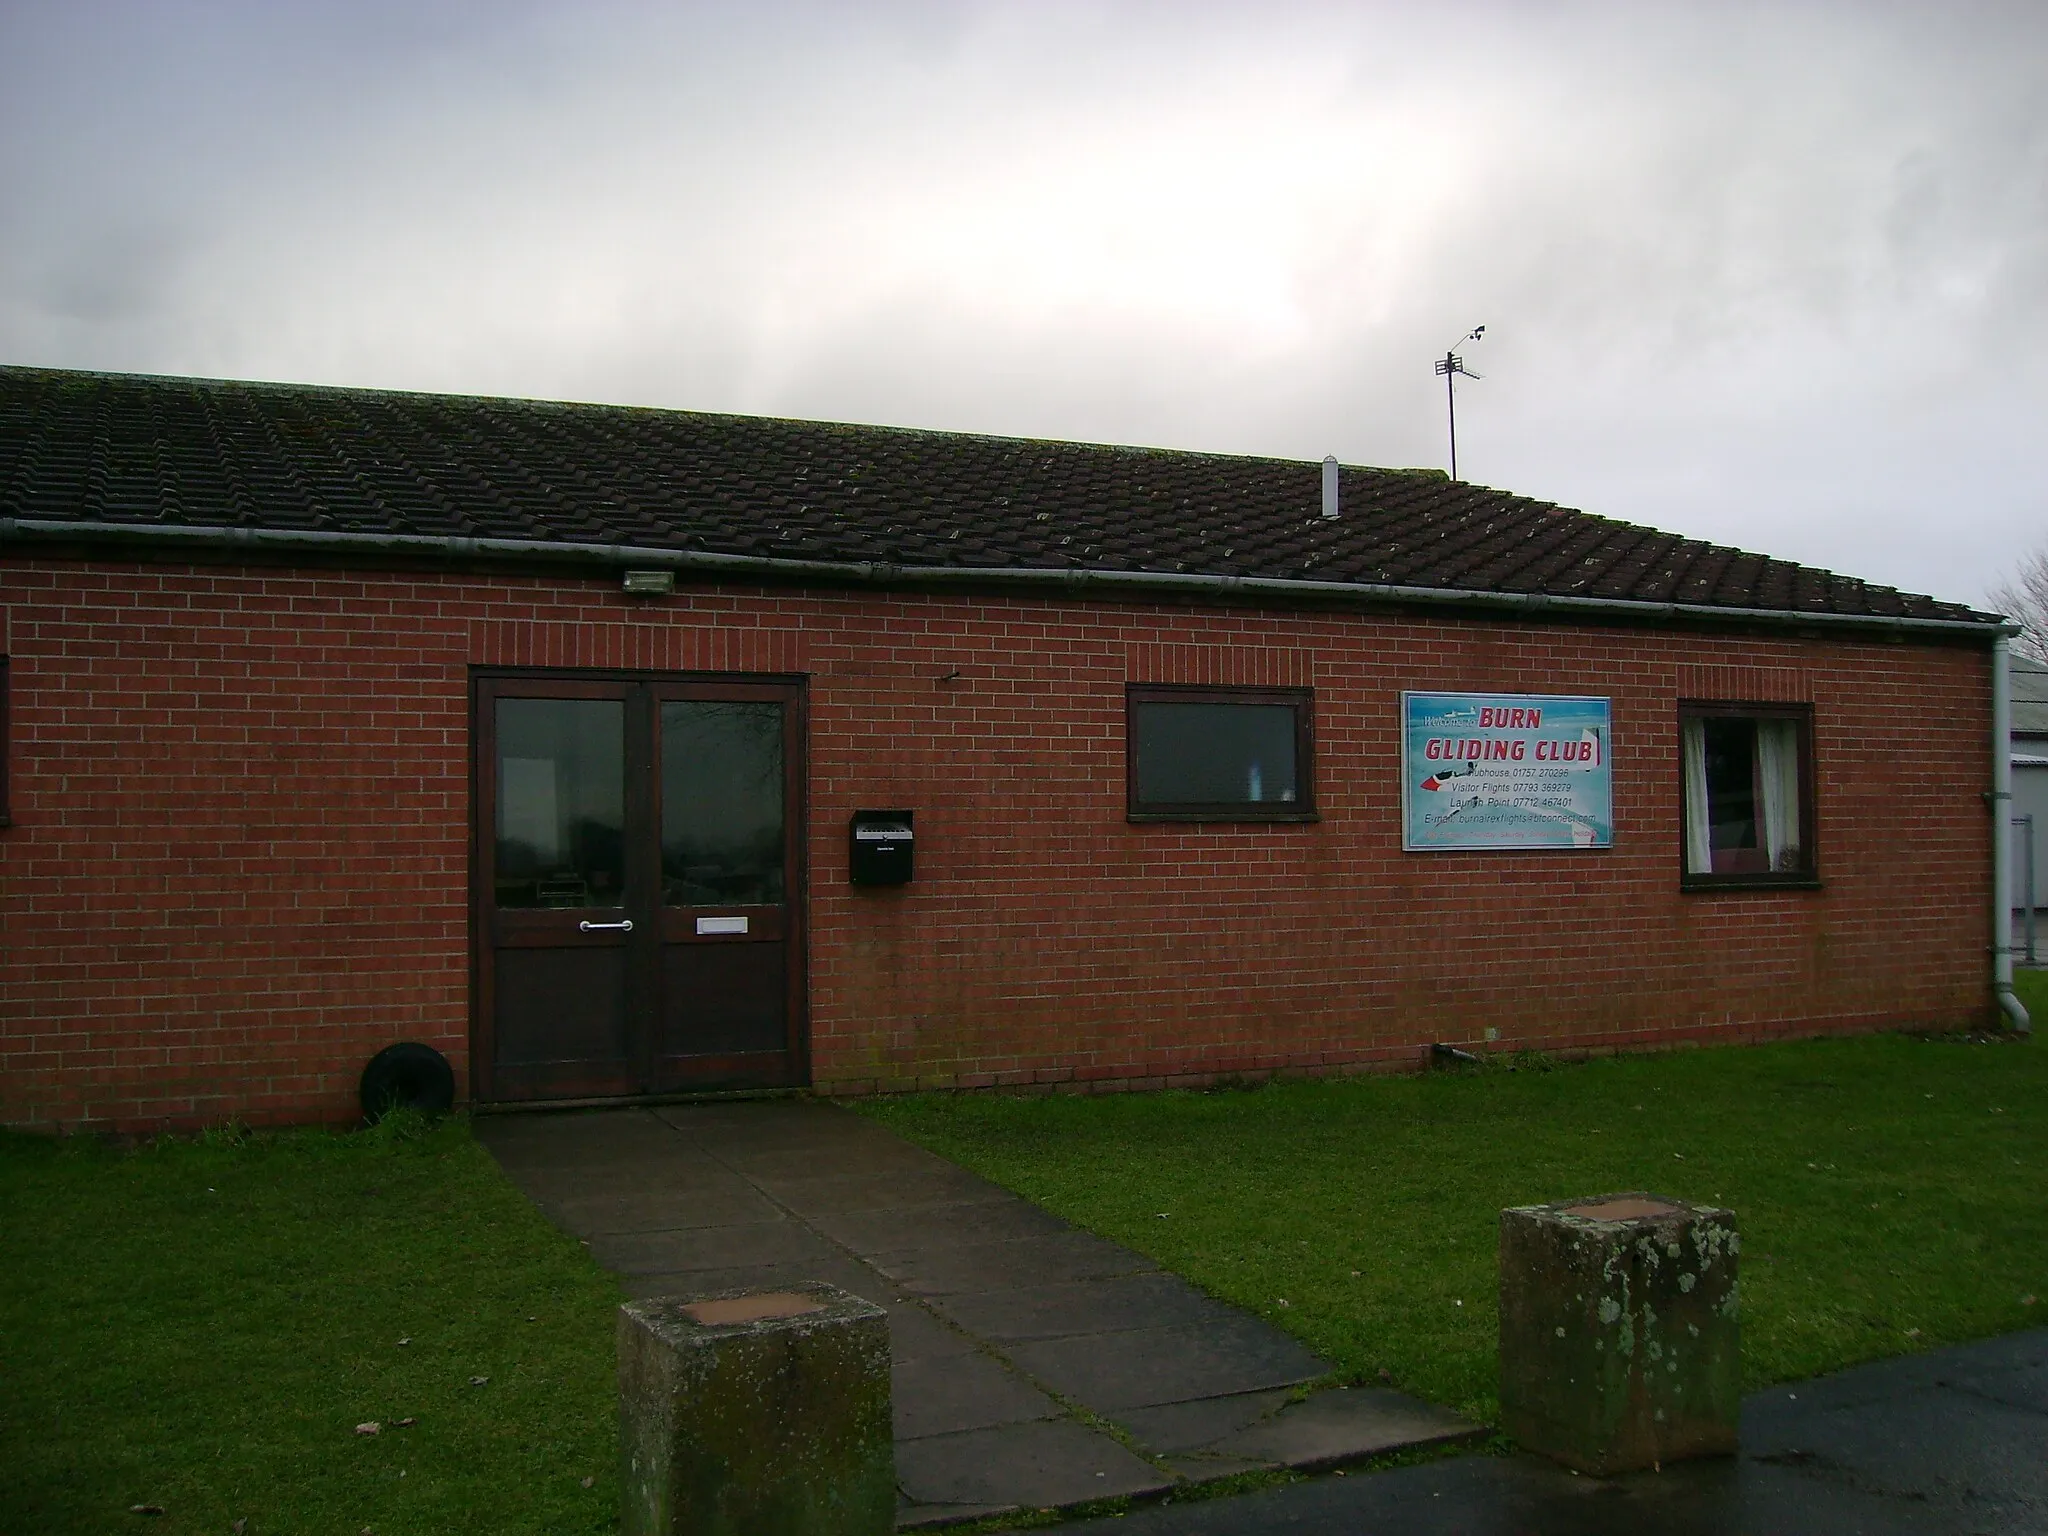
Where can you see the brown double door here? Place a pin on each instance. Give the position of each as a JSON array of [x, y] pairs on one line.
[[638, 885]]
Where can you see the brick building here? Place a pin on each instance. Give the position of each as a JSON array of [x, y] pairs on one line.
[[541, 734]]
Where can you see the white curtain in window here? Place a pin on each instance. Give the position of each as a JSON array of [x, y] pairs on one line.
[[1777, 772], [1699, 852]]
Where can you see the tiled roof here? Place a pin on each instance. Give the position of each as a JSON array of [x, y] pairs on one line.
[[160, 452]]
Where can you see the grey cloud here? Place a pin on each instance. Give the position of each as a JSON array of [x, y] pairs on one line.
[[110, 276]]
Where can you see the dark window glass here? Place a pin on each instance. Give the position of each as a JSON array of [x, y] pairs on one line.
[[721, 804], [1747, 794], [1731, 787], [1238, 755], [561, 803]]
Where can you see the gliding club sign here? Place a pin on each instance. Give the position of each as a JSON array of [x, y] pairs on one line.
[[1506, 770]]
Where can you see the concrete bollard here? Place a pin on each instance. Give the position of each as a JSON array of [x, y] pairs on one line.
[[1620, 1343], [756, 1414]]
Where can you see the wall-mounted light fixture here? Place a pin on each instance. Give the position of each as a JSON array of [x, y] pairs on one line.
[[650, 583]]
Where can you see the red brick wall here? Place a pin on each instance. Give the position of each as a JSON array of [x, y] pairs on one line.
[[238, 860]]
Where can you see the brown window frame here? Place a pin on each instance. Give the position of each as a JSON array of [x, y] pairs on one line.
[[1807, 878], [1300, 700]]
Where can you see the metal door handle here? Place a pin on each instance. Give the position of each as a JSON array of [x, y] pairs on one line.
[[590, 927]]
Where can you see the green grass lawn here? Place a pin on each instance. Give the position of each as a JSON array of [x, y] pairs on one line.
[[1892, 1193], [201, 1326]]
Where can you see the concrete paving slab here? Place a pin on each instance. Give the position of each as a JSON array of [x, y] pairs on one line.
[[1173, 1428], [579, 1133], [847, 1274], [946, 1394], [1026, 1261], [774, 1165], [1110, 1372], [945, 1227], [1023, 1466], [539, 1160], [746, 1245], [715, 1191], [574, 1139], [887, 1190], [783, 1125], [914, 1334], [596, 1215], [1333, 1428], [1155, 1300]]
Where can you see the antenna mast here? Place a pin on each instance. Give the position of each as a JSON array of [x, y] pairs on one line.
[[1448, 367]]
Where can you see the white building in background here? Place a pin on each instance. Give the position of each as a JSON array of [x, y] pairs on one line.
[[2030, 798]]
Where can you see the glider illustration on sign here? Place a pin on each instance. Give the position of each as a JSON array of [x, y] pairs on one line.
[[1506, 770]]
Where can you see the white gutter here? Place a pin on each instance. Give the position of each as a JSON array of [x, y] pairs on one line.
[[2001, 837], [1066, 580]]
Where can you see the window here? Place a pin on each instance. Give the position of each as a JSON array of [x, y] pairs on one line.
[[1748, 794], [1220, 754]]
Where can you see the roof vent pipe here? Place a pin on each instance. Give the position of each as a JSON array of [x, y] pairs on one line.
[[1330, 487]]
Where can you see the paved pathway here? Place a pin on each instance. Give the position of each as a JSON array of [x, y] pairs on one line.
[[1016, 1337]]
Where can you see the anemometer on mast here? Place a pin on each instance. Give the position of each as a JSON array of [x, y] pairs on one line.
[[1448, 367]]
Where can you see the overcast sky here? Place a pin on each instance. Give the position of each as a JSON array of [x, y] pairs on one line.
[[1775, 276]]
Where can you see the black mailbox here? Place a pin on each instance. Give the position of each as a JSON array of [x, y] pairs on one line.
[[881, 847]]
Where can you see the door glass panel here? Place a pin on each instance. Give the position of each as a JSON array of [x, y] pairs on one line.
[[561, 803], [721, 804]]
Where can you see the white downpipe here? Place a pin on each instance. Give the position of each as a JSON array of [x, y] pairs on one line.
[[2001, 837]]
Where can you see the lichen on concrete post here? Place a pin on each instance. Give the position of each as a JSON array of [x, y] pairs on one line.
[[756, 1414], [1620, 1331]]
